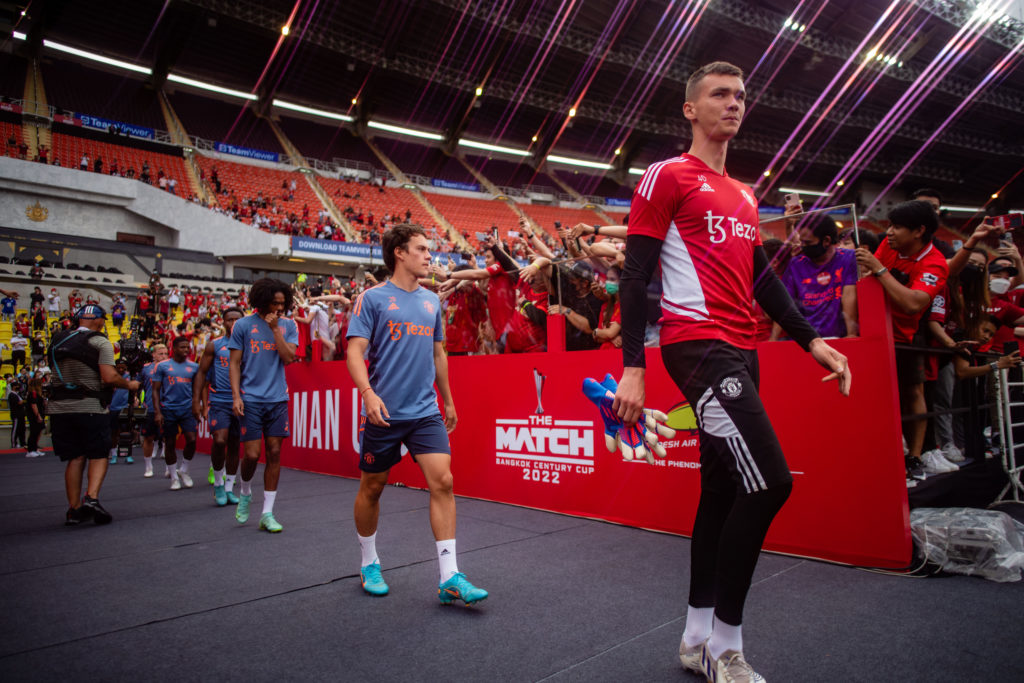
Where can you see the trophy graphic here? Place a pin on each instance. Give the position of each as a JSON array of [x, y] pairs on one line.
[[538, 381]]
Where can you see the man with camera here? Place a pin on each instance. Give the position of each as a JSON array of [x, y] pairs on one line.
[[83, 374]]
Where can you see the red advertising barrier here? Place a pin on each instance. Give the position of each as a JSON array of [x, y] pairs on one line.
[[546, 449]]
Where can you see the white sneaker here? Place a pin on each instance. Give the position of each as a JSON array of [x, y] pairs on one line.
[[690, 657], [934, 463], [176, 485], [953, 454], [185, 479], [731, 667], [148, 473]]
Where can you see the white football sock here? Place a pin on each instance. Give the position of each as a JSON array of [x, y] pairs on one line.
[[174, 472], [368, 546], [725, 637], [113, 452], [246, 488], [218, 477], [149, 462], [268, 501], [229, 482], [183, 465], [446, 559], [698, 625]]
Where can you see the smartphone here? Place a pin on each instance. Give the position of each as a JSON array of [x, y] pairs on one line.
[[792, 199], [494, 233], [1010, 221]]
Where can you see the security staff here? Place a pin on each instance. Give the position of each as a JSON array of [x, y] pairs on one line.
[[83, 376]]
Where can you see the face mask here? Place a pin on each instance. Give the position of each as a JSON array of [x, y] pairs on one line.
[[814, 251], [999, 285], [970, 274], [611, 287]]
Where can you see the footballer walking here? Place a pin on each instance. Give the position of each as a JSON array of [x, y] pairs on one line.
[[398, 327]]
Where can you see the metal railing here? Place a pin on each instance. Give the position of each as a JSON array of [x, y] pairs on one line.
[[1011, 405], [354, 165]]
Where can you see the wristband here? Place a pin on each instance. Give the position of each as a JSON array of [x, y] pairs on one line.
[[994, 365], [597, 230], [880, 272], [365, 390]]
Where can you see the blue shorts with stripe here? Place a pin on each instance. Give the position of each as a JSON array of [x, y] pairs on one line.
[[223, 417], [738, 446]]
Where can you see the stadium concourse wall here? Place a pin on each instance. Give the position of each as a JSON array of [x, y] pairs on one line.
[[76, 203], [545, 449]]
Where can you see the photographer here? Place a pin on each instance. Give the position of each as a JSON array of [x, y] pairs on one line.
[[83, 365]]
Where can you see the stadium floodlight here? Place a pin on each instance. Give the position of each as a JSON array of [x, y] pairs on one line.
[[405, 131], [60, 47], [18, 35], [579, 162], [963, 209], [174, 78], [637, 171], [813, 193], [494, 148], [315, 112]]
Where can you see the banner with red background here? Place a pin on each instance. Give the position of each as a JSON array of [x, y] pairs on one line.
[[849, 501]]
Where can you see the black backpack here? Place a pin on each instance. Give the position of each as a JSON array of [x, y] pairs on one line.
[[74, 344]]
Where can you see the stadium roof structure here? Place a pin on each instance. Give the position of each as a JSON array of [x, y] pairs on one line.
[[895, 93]]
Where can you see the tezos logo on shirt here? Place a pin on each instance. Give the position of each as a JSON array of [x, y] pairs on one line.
[[735, 228], [731, 387]]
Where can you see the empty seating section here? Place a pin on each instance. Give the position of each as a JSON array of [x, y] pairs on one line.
[[327, 143], [73, 87], [588, 184], [424, 160], [369, 199], [244, 182], [7, 131], [223, 122], [547, 215], [70, 148], [507, 173], [617, 217], [470, 216]]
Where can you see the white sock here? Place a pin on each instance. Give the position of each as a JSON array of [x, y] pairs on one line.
[[113, 452], [174, 472], [183, 465], [368, 546], [218, 477], [446, 558], [229, 482], [149, 462], [246, 488], [268, 501], [725, 637], [698, 625]]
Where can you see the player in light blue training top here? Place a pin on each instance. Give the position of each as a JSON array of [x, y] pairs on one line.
[[215, 405], [172, 406], [398, 327], [261, 345]]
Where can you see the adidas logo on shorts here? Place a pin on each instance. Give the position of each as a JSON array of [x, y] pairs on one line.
[[706, 188]]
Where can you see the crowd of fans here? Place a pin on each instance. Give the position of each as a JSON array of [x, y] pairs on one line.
[[953, 310]]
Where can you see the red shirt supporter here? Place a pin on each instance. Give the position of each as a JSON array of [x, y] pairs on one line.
[[465, 310], [925, 271], [524, 335], [1009, 315], [501, 298], [143, 302], [683, 203], [616, 318]]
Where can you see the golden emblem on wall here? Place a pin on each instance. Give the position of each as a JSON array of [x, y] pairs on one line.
[[37, 212]]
